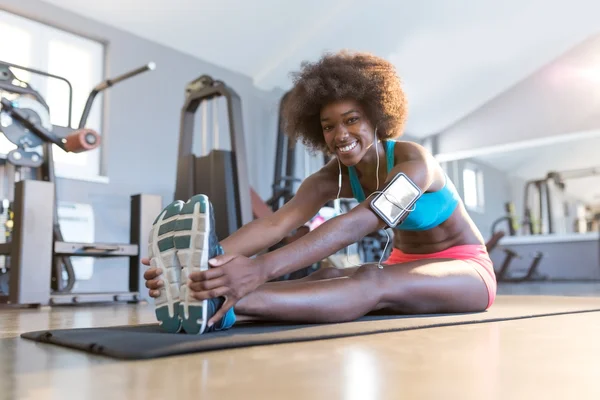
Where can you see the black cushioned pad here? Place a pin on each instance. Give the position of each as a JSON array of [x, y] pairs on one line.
[[148, 341]]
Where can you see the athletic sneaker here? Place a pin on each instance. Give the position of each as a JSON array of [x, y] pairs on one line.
[[162, 253], [196, 242]]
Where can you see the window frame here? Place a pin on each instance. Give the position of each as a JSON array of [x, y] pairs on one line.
[[479, 189]]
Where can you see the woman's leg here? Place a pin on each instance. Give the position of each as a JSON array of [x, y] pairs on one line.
[[320, 274], [419, 287]]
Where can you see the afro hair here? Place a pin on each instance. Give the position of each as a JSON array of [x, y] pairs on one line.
[[370, 80]]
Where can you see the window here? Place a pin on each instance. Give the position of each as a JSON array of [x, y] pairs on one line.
[[80, 60], [473, 188]]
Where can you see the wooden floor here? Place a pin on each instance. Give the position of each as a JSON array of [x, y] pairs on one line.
[[542, 358]]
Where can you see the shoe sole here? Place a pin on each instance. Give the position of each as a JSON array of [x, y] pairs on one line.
[[191, 238], [163, 254]]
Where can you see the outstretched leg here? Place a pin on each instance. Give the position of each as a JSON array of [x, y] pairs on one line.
[[320, 274], [419, 287]]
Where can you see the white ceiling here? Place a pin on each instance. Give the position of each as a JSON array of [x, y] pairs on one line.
[[452, 55]]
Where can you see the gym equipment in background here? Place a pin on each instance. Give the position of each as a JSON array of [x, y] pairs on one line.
[[531, 274], [539, 196], [502, 274], [510, 218], [35, 249], [220, 174], [548, 231], [285, 165]]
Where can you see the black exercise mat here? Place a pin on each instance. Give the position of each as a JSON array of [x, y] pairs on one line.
[[148, 341]]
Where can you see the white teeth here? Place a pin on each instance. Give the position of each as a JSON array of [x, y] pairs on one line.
[[348, 147]]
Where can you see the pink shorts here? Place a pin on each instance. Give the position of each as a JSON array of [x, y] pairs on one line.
[[475, 255]]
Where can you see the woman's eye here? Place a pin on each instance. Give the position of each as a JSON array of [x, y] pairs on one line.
[[352, 120]]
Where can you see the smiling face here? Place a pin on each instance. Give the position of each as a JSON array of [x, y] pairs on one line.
[[347, 131]]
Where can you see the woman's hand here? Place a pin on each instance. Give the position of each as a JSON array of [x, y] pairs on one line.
[[230, 276], [152, 277]]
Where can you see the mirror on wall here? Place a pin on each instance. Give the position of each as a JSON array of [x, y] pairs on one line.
[[548, 186]]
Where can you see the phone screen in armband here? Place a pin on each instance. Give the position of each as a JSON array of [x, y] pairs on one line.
[[396, 200]]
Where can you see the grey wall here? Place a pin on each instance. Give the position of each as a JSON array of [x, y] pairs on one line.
[[142, 122], [496, 192]]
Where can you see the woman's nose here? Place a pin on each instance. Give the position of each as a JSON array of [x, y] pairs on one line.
[[341, 132]]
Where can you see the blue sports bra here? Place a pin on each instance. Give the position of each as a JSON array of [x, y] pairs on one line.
[[431, 209]]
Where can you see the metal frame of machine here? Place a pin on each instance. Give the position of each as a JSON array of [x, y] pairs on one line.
[[32, 249], [283, 185], [222, 175], [37, 249]]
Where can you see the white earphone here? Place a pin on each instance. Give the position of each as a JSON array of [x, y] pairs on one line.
[[396, 202], [375, 141]]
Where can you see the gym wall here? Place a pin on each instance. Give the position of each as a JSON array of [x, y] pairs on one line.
[[496, 192], [141, 121]]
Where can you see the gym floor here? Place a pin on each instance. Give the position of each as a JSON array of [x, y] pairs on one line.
[[547, 357]]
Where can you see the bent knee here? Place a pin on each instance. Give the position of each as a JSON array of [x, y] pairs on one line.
[[369, 273]]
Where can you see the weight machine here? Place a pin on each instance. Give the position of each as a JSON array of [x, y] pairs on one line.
[[35, 250], [540, 190], [512, 223], [285, 165], [220, 174], [538, 219]]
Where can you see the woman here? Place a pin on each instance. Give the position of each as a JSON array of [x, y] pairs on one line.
[[352, 106]]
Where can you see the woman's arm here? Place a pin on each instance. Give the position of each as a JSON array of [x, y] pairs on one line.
[[342, 231], [265, 232]]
